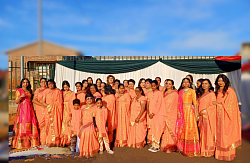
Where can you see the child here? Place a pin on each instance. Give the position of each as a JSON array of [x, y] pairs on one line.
[[75, 119], [101, 120]]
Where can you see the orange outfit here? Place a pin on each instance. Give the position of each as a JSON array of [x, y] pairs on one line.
[[161, 88], [122, 119], [81, 97], [144, 90], [88, 139], [40, 114], [101, 119], [207, 123], [68, 97], [55, 116], [228, 127], [169, 137], [75, 121], [109, 102], [132, 94], [137, 131], [97, 95]]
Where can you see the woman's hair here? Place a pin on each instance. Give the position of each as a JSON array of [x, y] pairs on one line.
[[109, 77], [79, 83], [76, 101], [116, 80], [142, 92], [28, 87], [181, 87], [149, 80], [158, 78], [52, 81], [98, 99], [104, 83], [65, 82], [156, 83], [171, 82], [90, 78], [83, 81], [201, 90], [94, 86], [108, 90], [192, 79], [120, 85], [226, 81], [124, 81], [131, 80], [45, 81], [89, 95], [139, 84], [99, 80]]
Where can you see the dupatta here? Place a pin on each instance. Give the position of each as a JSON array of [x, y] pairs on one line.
[[179, 123]]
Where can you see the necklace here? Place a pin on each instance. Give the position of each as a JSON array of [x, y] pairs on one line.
[[185, 90]]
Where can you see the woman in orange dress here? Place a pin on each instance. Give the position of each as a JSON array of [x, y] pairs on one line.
[[148, 83], [80, 94], [207, 118], [156, 116], [228, 128], [187, 130], [94, 91], [40, 110], [125, 83], [85, 86], [170, 98], [131, 85], [122, 116], [68, 97], [103, 84], [98, 84], [158, 79], [25, 128], [53, 100], [89, 144], [109, 103], [137, 127], [142, 84], [111, 81]]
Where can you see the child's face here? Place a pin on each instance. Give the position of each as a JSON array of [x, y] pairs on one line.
[[99, 103], [76, 106]]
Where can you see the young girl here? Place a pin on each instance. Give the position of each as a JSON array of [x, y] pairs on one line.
[[101, 122]]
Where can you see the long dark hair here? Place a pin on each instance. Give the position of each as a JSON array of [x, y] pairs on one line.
[[171, 82], [120, 85], [94, 86], [226, 81], [192, 79], [28, 87], [139, 84], [97, 80], [181, 87], [156, 83], [65, 82], [142, 92], [78, 83], [108, 90], [201, 90], [52, 81]]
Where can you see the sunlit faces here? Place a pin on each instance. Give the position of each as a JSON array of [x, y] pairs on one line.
[[102, 85], [143, 83], [205, 85], [198, 84], [76, 106], [131, 85], [25, 83], [98, 83], [92, 89], [158, 80], [186, 83], [66, 88], [85, 84], [116, 84], [154, 86], [148, 85], [111, 80], [99, 103], [121, 89], [125, 83], [43, 83], [51, 85], [138, 92], [78, 87], [169, 85], [90, 81], [221, 83], [89, 100], [189, 78]]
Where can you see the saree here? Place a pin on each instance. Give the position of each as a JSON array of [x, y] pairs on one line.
[[187, 134], [228, 127], [122, 119], [81, 96], [101, 119], [137, 131], [68, 97], [55, 116], [97, 95], [207, 123], [25, 128], [169, 138], [89, 144], [109, 102], [40, 115], [132, 94]]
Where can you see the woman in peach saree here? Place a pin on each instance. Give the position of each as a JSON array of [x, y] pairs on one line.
[[207, 118], [94, 91], [111, 81], [80, 94], [142, 84], [109, 102], [170, 98], [228, 127], [40, 110], [53, 100], [25, 128], [89, 144], [137, 127], [68, 97], [122, 116], [131, 91], [187, 130]]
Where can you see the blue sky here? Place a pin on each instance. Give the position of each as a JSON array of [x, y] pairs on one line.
[[141, 27]]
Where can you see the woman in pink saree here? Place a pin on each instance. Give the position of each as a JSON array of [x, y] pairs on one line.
[[228, 127], [207, 120], [68, 97], [187, 130], [40, 110], [52, 99], [25, 128], [80, 94]]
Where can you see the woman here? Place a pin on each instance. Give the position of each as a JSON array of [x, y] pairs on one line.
[[190, 77], [170, 98], [117, 82], [109, 103], [80, 94], [25, 128], [199, 88], [52, 99], [207, 120], [142, 84], [122, 116], [98, 83], [103, 84], [137, 127], [68, 97], [125, 83], [89, 144], [40, 110], [90, 81], [228, 128], [94, 91], [158, 79], [111, 81], [85, 86], [187, 130], [131, 86]]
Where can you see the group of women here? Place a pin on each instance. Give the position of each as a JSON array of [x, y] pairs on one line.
[[195, 121]]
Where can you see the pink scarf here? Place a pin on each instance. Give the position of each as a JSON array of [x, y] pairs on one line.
[[179, 123]]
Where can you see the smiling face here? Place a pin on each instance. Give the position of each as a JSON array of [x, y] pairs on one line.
[[154, 86], [78, 87], [111, 80], [25, 84], [125, 83], [221, 83], [169, 85], [89, 100], [186, 84], [66, 88], [205, 85], [198, 84], [99, 104], [51, 85], [147, 85], [43, 83], [90, 81], [85, 84], [131, 85], [92, 89], [76, 106], [116, 84], [138, 92], [121, 89], [143, 84], [98, 83], [158, 80], [102, 85]]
